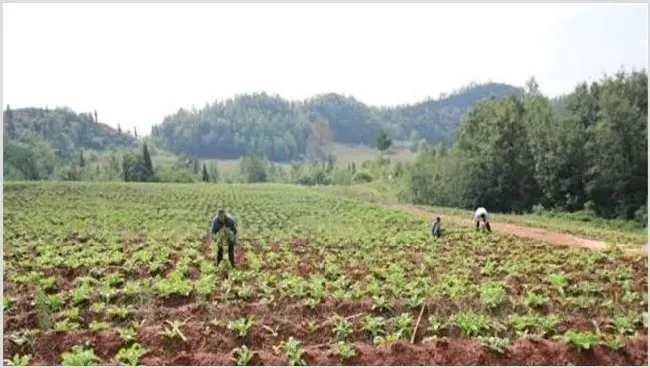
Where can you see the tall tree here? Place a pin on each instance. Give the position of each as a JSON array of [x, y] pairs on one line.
[[148, 165], [383, 141], [617, 177], [206, 177], [499, 162], [195, 166], [9, 119]]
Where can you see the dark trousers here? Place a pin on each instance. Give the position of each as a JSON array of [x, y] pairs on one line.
[[487, 226], [231, 253]]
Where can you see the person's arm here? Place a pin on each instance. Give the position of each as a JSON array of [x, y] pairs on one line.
[[215, 226], [233, 225]]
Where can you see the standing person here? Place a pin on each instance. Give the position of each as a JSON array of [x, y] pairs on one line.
[[436, 228], [481, 215], [227, 221]]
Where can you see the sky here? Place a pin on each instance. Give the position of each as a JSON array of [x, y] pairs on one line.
[[136, 63]]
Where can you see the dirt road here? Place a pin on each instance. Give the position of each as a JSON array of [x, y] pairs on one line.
[[525, 232]]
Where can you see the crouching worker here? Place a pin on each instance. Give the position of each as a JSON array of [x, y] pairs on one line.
[[226, 222], [436, 228], [481, 215]]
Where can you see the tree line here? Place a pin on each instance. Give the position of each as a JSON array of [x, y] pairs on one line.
[[520, 154]]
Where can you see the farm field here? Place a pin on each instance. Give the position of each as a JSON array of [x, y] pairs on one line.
[[608, 231], [115, 273]]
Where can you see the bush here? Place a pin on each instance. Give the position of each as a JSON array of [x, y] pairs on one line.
[[539, 209], [590, 207], [641, 216], [362, 177]]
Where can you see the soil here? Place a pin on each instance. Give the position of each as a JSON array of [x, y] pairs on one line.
[[206, 343], [218, 350]]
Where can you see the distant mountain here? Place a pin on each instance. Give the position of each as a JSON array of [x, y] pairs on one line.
[[279, 129]]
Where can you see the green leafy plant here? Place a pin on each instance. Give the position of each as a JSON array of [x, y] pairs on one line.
[[489, 268], [242, 355], [205, 285], [559, 281], [174, 284], [471, 323], [19, 360], [380, 303], [496, 344], [535, 300], [294, 352], [492, 294], [241, 326], [78, 356], [344, 351], [435, 325], [244, 292], [131, 355], [614, 342], [373, 325], [65, 325], [404, 324], [414, 301], [99, 325], [342, 328], [623, 325], [388, 339], [8, 304], [581, 340]]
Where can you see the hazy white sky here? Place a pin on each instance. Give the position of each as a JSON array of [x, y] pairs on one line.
[[136, 63]]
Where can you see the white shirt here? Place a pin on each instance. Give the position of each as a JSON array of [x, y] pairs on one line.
[[481, 211]]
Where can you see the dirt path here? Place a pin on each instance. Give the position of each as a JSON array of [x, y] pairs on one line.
[[524, 232]]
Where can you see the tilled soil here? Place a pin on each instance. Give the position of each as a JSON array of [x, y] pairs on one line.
[[209, 343]]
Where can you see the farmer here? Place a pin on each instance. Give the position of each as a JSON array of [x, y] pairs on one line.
[[435, 228], [225, 219], [481, 215]]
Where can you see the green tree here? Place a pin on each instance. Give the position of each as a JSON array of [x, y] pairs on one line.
[[616, 179], [383, 141], [206, 177], [499, 162], [195, 166], [253, 168], [9, 123], [148, 165]]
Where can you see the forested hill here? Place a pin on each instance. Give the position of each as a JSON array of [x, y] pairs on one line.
[[37, 141], [280, 129]]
